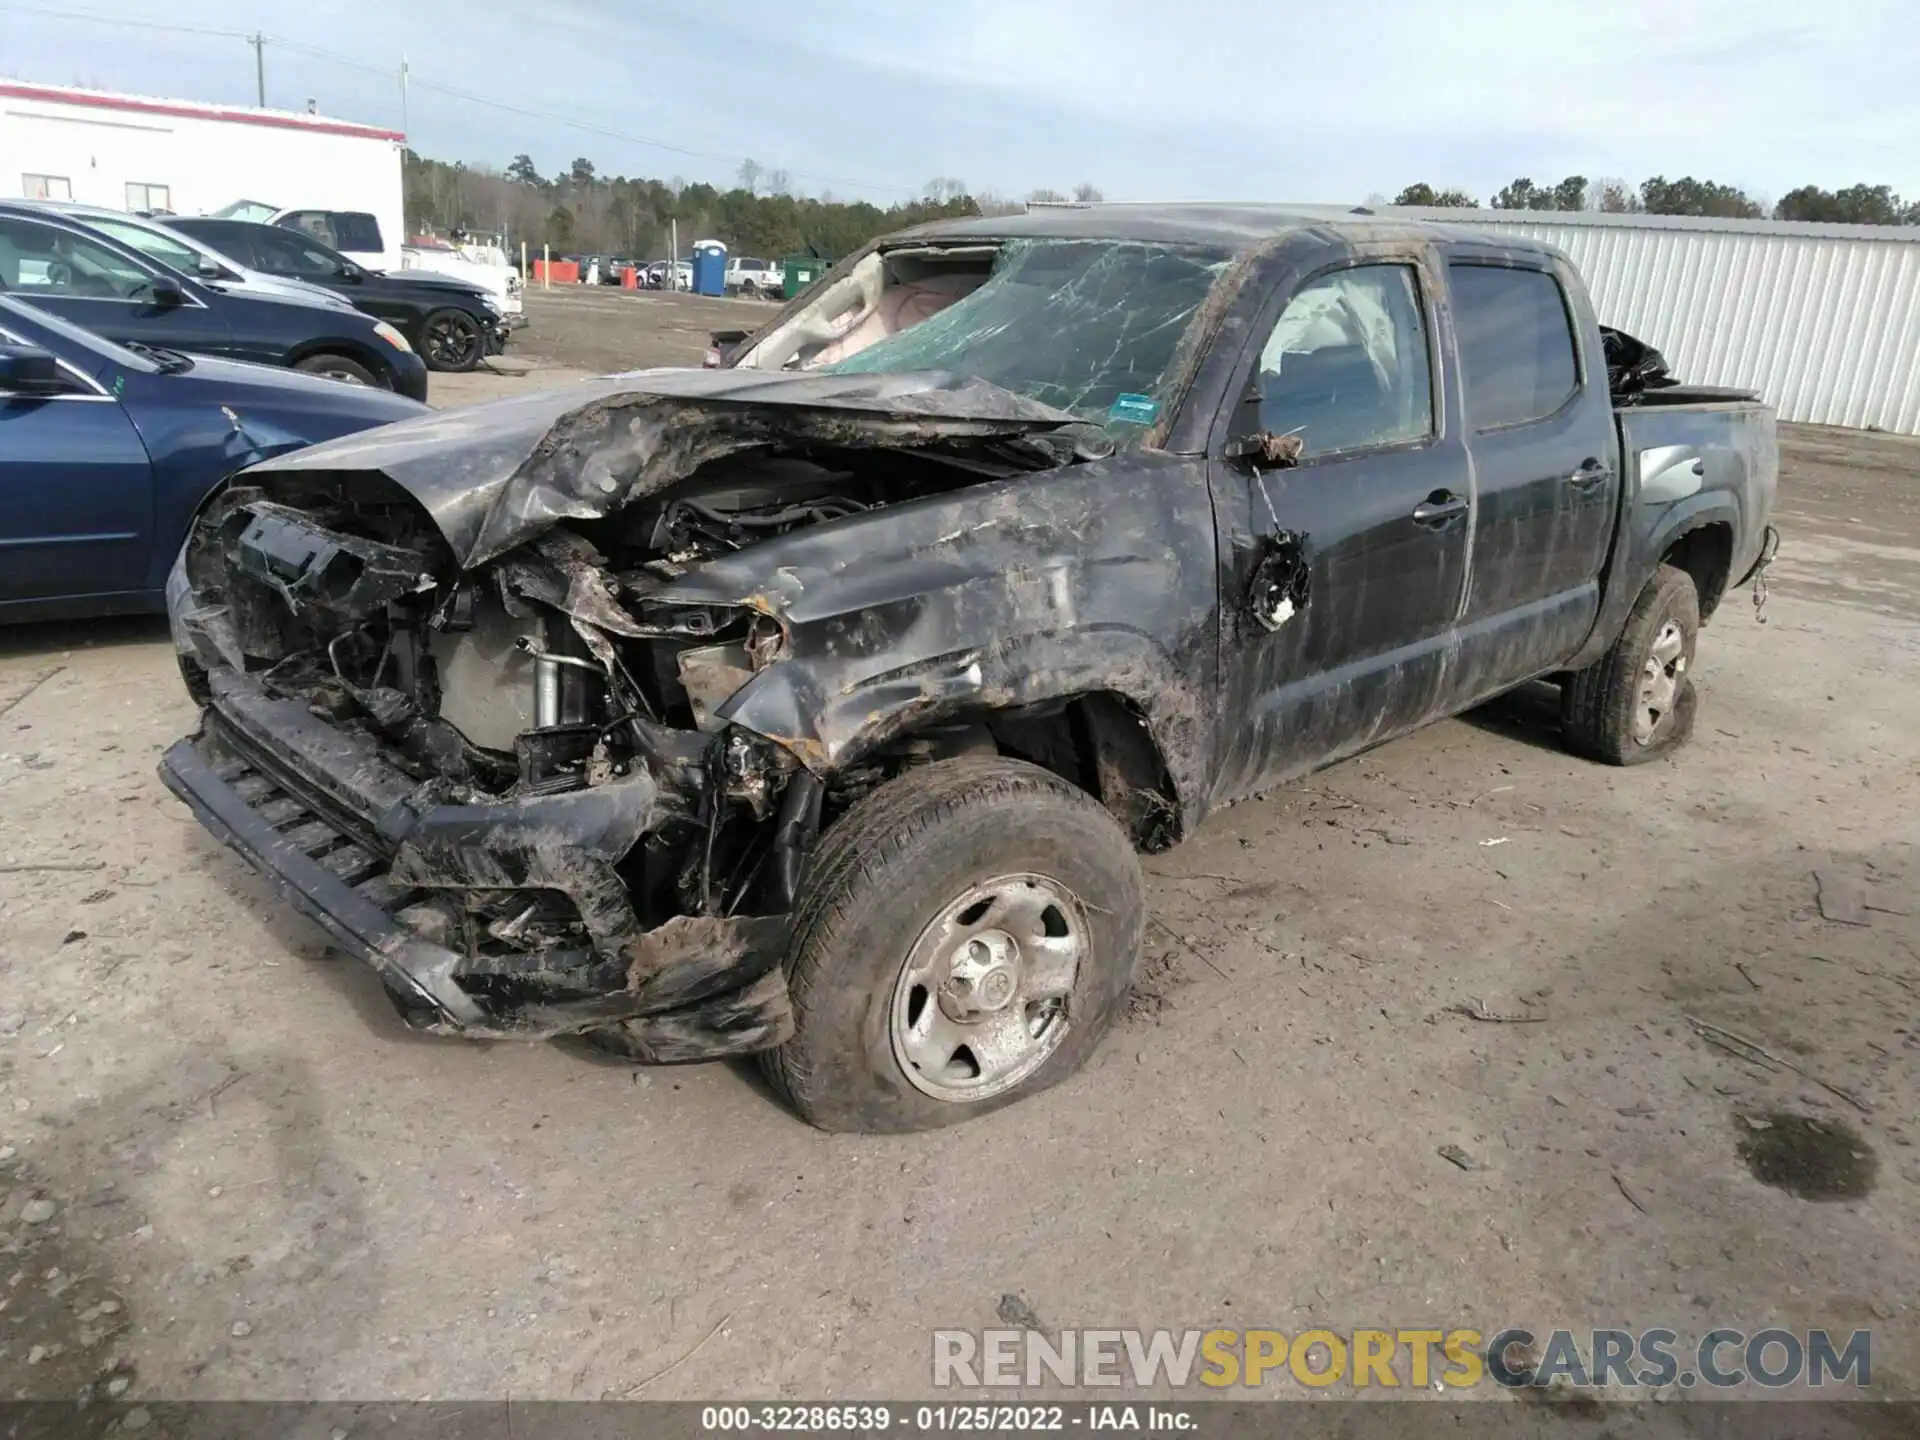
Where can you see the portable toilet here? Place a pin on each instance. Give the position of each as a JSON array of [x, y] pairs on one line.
[[709, 268]]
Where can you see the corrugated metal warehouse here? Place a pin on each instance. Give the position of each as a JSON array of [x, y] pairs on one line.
[[1822, 320]]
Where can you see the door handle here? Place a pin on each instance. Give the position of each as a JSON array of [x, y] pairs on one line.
[[1439, 508], [1590, 474]]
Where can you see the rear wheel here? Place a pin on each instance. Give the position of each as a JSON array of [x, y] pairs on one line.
[[337, 367], [1637, 701], [451, 340], [963, 939]]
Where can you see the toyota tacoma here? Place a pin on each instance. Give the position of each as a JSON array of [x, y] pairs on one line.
[[819, 705]]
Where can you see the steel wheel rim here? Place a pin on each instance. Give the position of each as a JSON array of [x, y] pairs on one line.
[[981, 1002], [449, 342], [1660, 682]]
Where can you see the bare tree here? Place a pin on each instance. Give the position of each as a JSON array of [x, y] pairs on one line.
[[749, 173], [1087, 193], [778, 183], [1044, 196], [1616, 197]]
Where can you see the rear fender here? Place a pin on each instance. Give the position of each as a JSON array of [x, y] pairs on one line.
[[1634, 565]]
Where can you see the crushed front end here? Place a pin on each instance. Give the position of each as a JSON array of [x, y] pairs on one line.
[[441, 774], [486, 747]]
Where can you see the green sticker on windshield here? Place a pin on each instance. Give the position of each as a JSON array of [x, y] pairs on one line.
[[1135, 409]]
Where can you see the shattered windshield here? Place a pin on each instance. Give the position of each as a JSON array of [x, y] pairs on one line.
[[1087, 326]]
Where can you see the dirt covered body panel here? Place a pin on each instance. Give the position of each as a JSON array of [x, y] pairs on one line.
[[495, 476], [1095, 577], [629, 862], [541, 707]]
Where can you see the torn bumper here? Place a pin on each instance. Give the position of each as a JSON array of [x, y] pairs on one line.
[[354, 842]]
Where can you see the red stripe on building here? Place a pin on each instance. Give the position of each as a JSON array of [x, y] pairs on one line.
[[54, 95]]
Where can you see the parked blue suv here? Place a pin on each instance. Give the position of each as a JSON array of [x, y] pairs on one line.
[[107, 451], [64, 265]]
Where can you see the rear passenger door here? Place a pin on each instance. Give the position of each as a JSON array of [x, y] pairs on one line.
[[1341, 574], [1540, 429]]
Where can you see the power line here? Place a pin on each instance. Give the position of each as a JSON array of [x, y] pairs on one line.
[[259, 39], [586, 125], [121, 20]]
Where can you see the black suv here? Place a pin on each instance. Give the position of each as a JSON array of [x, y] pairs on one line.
[[84, 275], [452, 324]]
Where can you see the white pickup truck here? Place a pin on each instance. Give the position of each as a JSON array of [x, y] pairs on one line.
[[751, 277]]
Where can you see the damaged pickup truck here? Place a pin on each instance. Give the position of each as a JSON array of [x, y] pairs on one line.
[[819, 705]]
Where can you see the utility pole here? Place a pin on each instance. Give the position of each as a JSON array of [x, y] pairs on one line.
[[403, 91], [259, 43]]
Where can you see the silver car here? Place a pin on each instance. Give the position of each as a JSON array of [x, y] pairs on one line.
[[189, 256]]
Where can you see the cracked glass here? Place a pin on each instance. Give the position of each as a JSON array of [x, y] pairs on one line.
[[1075, 324]]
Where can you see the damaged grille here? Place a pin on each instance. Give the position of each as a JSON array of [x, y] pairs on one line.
[[302, 824]]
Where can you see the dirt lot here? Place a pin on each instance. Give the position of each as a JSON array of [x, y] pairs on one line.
[[261, 1184]]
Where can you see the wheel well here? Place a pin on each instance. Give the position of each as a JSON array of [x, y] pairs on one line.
[[1101, 743], [1705, 553], [342, 351]]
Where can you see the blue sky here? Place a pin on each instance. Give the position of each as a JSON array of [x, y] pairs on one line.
[[1244, 99]]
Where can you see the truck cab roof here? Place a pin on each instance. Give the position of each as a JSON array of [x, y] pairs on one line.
[[1237, 228]]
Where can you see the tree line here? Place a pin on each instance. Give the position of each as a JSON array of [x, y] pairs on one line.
[[580, 211], [1854, 205]]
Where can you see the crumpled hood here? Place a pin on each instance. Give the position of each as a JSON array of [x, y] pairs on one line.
[[495, 476]]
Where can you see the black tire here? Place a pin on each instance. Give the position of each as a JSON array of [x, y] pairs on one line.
[[451, 341], [339, 367], [1599, 706], [884, 873]]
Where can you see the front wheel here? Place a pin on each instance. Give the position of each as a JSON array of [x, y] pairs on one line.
[[337, 367], [1636, 702], [964, 939], [451, 340]]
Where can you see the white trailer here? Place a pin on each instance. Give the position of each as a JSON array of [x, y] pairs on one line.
[[135, 152]]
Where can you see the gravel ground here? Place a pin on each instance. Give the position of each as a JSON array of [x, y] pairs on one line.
[[227, 1170]]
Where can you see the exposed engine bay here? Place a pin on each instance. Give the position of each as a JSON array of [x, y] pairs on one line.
[[540, 706], [458, 719]]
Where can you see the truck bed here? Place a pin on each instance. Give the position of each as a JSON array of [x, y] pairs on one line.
[[1687, 461]]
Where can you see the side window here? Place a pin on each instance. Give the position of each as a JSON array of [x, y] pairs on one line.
[[44, 260], [1346, 366], [1516, 341], [233, 241], [46, 187], [290, 253], [308, 222], [354, 230]]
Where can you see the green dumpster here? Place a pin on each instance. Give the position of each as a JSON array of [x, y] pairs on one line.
[[801, 271]]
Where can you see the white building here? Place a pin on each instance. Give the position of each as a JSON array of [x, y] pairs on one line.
[[1822, 320], [135, 152]]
